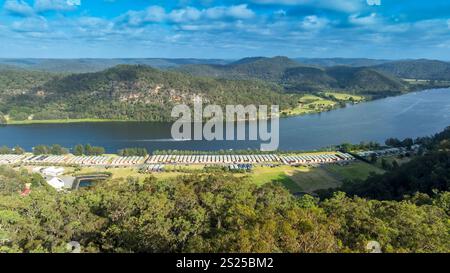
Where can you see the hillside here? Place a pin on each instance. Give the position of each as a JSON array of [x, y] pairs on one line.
[[132, 93], [269, 69], [298, 78], [328, 62], [96, 64], [15, 81], [417, 69]]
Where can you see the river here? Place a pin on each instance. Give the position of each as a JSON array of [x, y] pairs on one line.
[[412, 115]]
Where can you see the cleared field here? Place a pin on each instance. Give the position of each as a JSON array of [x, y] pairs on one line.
[[309, 104], [263, 175], [344, 96], [312, 179], [357, 170], [295, 179]]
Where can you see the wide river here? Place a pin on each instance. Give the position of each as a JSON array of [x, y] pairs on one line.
[[412, 115]]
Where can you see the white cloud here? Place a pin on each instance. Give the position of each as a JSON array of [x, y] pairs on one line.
[[56, 5], [339, 5], [18, 7], [74, 2], [184, 15], [371, 19], [156, 14], [32, 24], [314, 23]]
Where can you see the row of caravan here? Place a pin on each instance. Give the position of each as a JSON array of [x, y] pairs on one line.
[[124, 161], [212, 159], [250, 159]]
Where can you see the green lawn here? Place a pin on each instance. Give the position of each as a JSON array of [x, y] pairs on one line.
[[295, 179], [344, 96], [309, 104], [312, 179], [309, 179], [357, 170]]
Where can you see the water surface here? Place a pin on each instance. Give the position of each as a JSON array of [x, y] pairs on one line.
[[411, 115]]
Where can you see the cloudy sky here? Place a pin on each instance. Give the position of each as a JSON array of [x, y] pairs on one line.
[[225, 29]]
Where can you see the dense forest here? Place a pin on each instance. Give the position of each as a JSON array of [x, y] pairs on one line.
[[218, 212], [133, 93], [299, 78], [211, 213]]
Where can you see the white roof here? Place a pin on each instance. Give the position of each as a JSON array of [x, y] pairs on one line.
[[56, 183]]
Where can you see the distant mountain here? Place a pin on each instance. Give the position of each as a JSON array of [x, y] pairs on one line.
[[298, 77], [133, 93], [269, 69], [417, 69], [327, 62], [95, 65]]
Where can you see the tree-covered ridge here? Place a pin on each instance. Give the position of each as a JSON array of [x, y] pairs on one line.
[[417, 69], [17, 81], [135, 93], [297, 77]]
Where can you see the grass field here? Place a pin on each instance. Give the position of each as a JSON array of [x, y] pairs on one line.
[[344, 96], [310, 179], [295, 179], [357, 170], [309, 104]]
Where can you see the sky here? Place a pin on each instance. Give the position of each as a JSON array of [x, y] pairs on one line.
[[384, 29]]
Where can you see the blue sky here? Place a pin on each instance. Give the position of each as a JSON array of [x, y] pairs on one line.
[[390, 29]]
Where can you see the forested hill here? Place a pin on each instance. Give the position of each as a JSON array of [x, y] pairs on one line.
[[297, 77], [418, 69], [132, 93], [140, 92], [354, 62]]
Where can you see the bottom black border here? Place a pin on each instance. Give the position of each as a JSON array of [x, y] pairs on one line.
[[224, 262]]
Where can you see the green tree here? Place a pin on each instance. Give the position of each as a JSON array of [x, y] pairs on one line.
[[78, 150], [18, 150], [41, 150]]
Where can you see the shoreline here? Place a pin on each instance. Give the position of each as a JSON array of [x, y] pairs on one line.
[[95, 120]]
